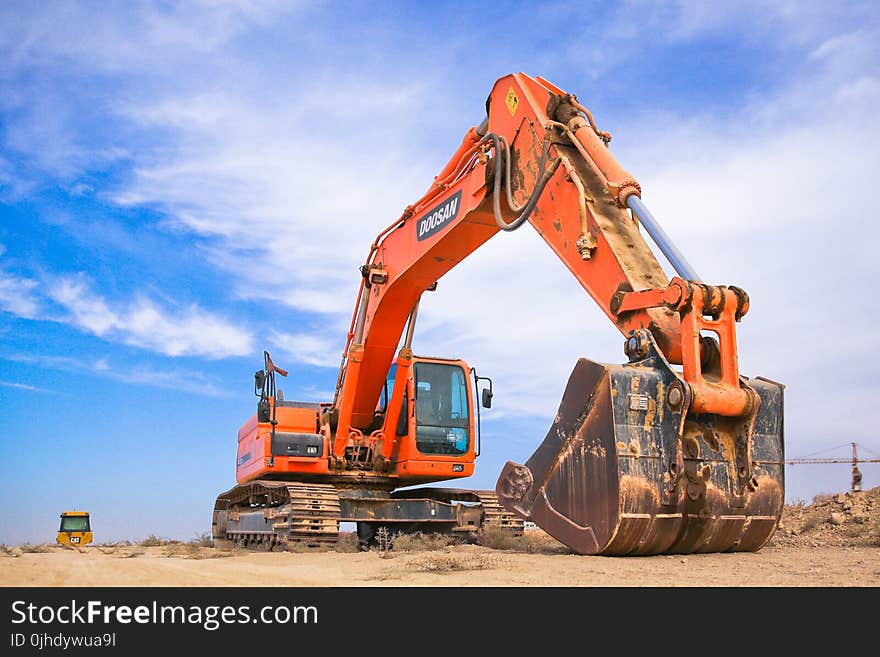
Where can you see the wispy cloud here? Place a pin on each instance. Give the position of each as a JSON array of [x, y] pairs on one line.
[[50, 48], [752, 198], [137, 374], [17, 295], [276, 175], [264, 184], [788, 22], [23, 386], [174, 379], [144, 35], [188, 331], [140, 322], [12, 183], [251, 157], [310, 348]]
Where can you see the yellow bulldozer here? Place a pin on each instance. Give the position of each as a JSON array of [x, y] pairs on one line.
[[75, 530]]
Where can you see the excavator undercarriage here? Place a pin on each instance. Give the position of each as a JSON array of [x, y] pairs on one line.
[[276, 515]]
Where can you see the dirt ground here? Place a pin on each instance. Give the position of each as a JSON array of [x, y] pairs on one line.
[[833, 542]]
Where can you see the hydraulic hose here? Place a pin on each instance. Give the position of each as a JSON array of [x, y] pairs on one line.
[[502, 150]]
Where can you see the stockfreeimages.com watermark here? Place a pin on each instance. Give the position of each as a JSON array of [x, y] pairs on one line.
[[209, 617]]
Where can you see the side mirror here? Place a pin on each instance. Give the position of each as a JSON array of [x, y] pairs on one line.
[[487, 398], [259, 380]]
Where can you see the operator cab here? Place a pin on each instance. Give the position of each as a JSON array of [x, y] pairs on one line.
[[439, 430], [435, 435]]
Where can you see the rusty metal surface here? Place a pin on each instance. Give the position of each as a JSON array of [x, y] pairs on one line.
[[625, 470]]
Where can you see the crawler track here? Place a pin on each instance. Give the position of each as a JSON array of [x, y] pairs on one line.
[[274, 515], [311, 517], [267, 515], [496, 515]]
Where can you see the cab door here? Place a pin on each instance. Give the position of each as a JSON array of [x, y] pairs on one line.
[[439, 441]]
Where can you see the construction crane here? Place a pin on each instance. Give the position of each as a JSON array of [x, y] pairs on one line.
[[856, 484]]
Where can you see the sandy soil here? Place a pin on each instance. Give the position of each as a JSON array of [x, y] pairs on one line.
[[833, 542], [464, 565]]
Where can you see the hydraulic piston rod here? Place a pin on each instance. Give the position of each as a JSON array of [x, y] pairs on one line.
[[662, 240]]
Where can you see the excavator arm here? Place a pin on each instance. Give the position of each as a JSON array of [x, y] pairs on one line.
[[539, 158]]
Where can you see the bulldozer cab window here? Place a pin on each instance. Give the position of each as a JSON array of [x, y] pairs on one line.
[[442, 420], [74, 524]]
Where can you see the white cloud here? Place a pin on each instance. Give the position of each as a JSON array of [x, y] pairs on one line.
[[86, 310], [17, 295], [769, 197], [839, 44], [12, 184], [22, 386], [144, 36], [311, 393], [235, 146], [309, 348], [190, 331], [787, 22], [175, 379], [49, 48], [287, 178], [138, 374], [273, 192], [517, 315]]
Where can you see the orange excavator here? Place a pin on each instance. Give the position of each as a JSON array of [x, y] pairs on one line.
[[672, 452]]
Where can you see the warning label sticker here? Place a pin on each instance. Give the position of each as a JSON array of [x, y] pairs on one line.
[[512, 101]]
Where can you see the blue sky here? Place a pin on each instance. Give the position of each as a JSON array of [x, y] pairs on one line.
[[185, 184]]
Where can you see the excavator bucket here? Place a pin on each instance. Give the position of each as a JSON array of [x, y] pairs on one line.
[[625, 470]]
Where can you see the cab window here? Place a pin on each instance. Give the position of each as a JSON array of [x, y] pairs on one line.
[[442, 414], [74, 524], [388, 389]]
